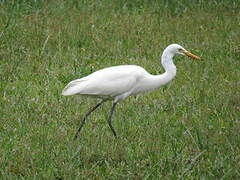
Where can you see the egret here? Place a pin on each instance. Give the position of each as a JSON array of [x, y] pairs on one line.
[[118, 82]]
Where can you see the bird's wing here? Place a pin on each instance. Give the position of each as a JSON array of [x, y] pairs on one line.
[[111, 86], [113, 81]]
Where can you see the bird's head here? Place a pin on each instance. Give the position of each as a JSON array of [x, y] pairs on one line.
[[175, 49]]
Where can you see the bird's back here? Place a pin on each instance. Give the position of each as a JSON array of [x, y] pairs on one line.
[[111, 82]]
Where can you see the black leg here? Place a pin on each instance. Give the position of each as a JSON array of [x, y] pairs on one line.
[[85, 117], [110, 119]]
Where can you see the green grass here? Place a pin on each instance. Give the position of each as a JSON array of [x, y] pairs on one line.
[[188, 129]]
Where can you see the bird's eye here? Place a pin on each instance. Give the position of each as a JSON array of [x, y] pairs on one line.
[[180, 49]]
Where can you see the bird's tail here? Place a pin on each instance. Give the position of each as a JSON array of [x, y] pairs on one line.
[[74, 87]]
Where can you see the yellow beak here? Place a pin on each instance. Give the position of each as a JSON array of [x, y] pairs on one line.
[[187, 53]]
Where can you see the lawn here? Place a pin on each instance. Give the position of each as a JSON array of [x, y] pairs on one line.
[[188, 129]]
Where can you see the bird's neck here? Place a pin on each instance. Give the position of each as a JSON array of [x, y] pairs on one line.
[[169, 67], [155, 81], [167, 63]]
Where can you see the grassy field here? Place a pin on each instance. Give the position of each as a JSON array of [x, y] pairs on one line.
[[188, 129]]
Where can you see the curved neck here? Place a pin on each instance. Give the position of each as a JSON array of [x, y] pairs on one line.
[[155, 81], [169, 67], [167, 62]]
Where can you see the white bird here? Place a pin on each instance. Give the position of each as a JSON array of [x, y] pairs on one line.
[[118, 82]]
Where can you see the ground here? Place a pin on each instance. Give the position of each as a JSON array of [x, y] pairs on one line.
[[188, 129]]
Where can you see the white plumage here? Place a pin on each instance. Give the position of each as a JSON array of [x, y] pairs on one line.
[[118, 82]]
